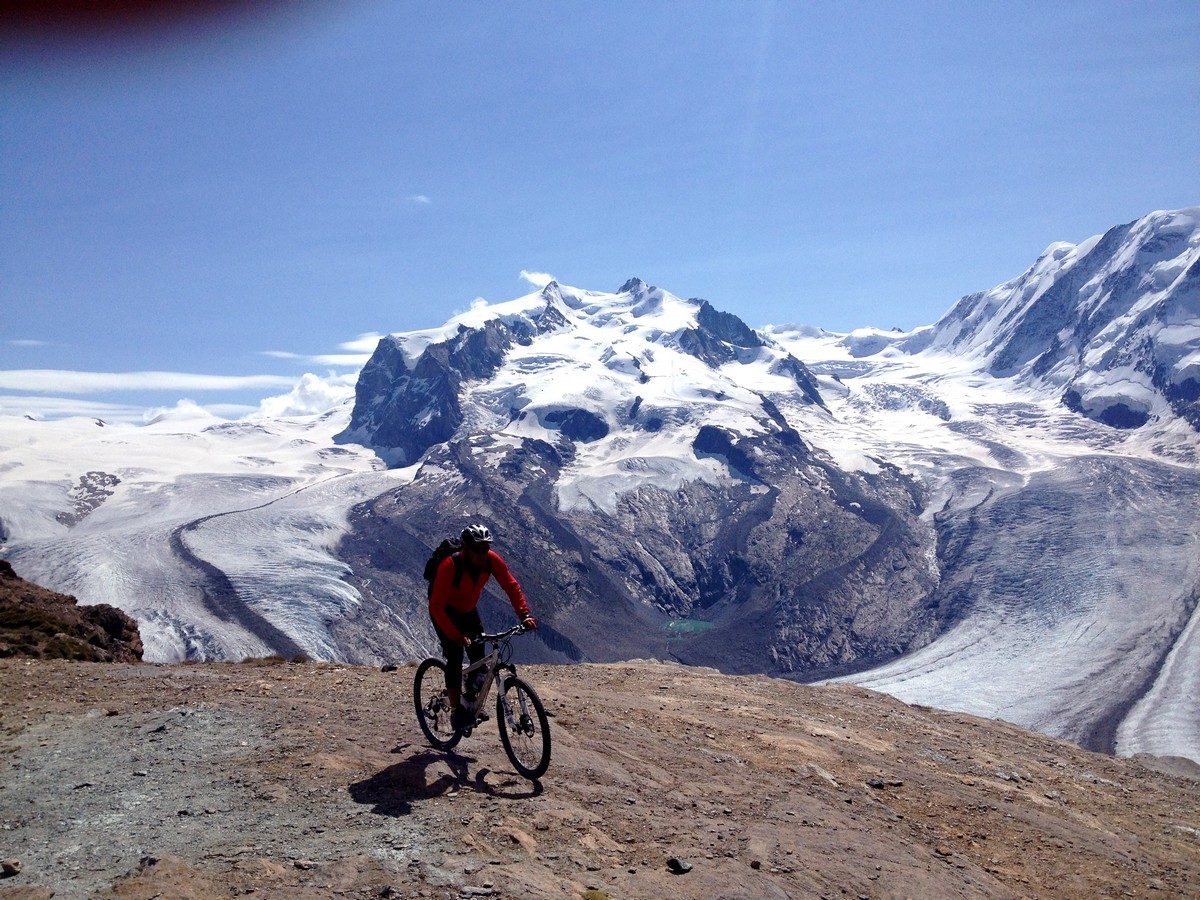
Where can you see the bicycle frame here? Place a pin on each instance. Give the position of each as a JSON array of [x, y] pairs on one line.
[[524, 731], [491, 665]]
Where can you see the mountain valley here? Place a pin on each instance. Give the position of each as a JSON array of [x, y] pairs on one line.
[[994, 514]]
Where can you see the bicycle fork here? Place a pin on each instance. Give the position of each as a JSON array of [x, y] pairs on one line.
[[521, 724]]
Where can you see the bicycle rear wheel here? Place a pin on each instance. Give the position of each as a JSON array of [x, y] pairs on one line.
[[524, 728], [433, 705]]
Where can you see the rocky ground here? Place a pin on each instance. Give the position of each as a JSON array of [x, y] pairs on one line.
[[44, 624], [312, 780]]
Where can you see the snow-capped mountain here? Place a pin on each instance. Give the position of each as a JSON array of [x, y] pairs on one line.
[[634, 451], [952, 515], [574, 363], [1110, 325], [650, 490], [1069, 546]]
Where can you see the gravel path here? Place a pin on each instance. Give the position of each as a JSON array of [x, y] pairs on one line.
[[311, 780]]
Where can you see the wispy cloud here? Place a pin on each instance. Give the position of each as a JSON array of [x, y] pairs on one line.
[[26, 342], [41, 407], [353, 360], [537, 279], [420, 200], [364, 343], [38, 407], [360, 350], [70, 382]]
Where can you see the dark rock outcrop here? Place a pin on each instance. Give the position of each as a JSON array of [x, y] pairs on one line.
[[719, 337], [1114, 415], [87, 496], [402, 410], [803, 377], [577, 424], [43, 624], [1184, 396]]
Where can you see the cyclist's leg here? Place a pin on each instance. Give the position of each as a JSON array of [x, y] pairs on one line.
[[453, 651], [470, 625]]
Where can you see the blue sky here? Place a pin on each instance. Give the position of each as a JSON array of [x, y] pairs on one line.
[[185, 201]]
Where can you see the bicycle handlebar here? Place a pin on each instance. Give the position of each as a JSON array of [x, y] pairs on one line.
[[516, 629]]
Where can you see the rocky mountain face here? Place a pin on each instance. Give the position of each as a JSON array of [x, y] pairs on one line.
[[408, 409], [1112, 324], [649, 492]]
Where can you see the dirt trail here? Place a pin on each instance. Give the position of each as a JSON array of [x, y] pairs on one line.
[[311, 780]]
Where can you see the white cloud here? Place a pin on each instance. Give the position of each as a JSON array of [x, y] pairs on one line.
[[61, 407], [311, 396], [364, 343], [25, 342], [537, 279], [41, 407], [183, 411], [71, 382], [355, 360], [478, 303], [420, 199]]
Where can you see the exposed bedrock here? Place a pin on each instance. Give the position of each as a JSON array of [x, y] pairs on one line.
[[44, 624], [403, 408], [820, 572]]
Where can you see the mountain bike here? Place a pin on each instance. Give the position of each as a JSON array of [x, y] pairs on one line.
[[520, 716]]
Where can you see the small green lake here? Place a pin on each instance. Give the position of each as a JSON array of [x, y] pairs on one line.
[[688, 626]]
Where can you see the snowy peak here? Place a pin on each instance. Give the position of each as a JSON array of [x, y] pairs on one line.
[[616, 381], [1112, 324], [636, 307]]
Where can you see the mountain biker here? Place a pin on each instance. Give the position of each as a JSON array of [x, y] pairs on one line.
[[453, 600]]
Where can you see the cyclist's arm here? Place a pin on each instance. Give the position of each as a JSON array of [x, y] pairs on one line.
[[512, 587], [440, 598]]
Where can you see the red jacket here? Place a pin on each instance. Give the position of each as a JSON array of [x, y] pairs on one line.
[[464, 596]]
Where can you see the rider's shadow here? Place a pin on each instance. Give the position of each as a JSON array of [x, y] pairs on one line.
[[393, 791]]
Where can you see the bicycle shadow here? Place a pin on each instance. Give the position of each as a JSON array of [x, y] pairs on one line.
[[394, 790]]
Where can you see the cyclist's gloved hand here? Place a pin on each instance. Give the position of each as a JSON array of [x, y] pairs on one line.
[[466, 641], [530, 623]]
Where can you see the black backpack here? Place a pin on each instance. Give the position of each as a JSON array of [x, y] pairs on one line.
[[449, 547]]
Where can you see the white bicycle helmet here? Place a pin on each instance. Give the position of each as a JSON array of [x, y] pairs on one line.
[[476, 536]]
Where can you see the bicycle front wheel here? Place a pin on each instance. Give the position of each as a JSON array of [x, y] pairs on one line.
[[524, 728], [433, 705]]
